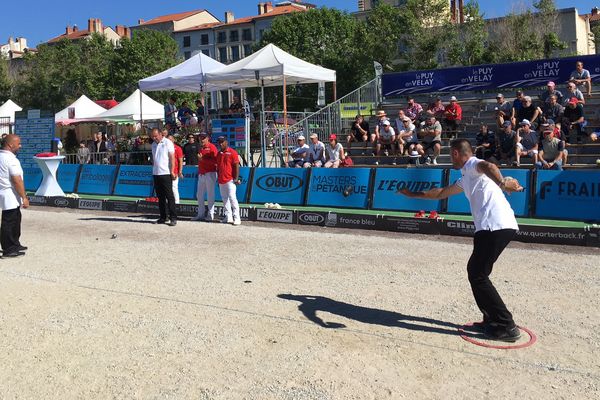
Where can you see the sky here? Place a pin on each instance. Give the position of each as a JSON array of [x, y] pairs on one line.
[[44, 19]]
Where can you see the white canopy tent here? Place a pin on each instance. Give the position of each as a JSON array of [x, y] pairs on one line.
[[131, 109], [270, 66], [84, 108], [8, 109]]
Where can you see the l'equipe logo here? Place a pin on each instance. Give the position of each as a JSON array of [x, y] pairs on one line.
[[90, 204], [279, 183], [285, 217]]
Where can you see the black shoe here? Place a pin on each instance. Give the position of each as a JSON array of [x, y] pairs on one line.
[[477, 327], [13, 254], [502, 333], [160, 221], [21, 248], [172, 222]]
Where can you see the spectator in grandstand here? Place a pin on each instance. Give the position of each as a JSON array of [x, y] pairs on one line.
[[359, 131], [551, 152], [529, 112], [381, 117], [335, 152], [386, 139], [551, 91], [83, 153], [503, 110], [413, 109], [486, 143], [572, 91], [518, 101], [552, 109], [437, 108], [399, 121], [573, 121], [171, 112], [505, 143], [183, 114], [582, 78], [316, 153], [300, 153], [526, 143], [236, 107], [191, 150], [199, 110], [453, 115], [431, 139], [407, 137]]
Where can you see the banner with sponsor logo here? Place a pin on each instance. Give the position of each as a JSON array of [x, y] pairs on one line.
[[188, 186], [388, 181], [135, 181], [271, 215], [242, 188], [121, 206], [357, 221], [32, 178], [96, 179], [66, 176], [279, 185], [315, 218], [88, 204], [339, 187], [568, 195], [519, 202], [491, 76]]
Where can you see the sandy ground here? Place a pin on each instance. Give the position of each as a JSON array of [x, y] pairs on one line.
[[208, 311]]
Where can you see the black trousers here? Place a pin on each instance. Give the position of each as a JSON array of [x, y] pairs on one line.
[[487, 247], [10, 231], [163, 185]]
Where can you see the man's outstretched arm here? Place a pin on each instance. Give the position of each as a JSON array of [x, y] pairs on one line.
[[433, 194]]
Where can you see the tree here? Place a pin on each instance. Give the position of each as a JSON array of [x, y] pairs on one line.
[[468, 43], [549, 17], [384, 34], [5, 82]]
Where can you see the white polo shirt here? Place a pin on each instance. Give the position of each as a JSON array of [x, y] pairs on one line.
[[160, 157], [9, 166], [491, 211]]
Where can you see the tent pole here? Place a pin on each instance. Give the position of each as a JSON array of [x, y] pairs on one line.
[[141, 114], [263, 141], [334, 92], [285, 122]]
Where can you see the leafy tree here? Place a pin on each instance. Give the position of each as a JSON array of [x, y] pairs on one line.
[[383, 34], [468, 43], [5, 82], [549, 17]]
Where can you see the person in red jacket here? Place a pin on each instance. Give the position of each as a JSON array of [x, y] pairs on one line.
[[453, 115], [207, 178], [228, 171]]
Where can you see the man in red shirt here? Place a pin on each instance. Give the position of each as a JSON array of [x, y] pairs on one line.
[[453, 115], [207, 178], [178, 167], [228, 170]]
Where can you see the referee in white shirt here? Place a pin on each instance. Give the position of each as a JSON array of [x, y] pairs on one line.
[[495, 226], [164, 173], [12, 197]]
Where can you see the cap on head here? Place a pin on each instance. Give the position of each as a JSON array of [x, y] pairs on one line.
[[313, 136], [499, 96], [386, 123], [221, 139], [453, 98], [381, 113], [552, 84], [525, 122], [550, 122], [573, 101], [548, 132], [506, 124], [333, 136], [203, 135], [301, 137]]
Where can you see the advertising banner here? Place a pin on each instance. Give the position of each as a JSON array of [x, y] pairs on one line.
[[242, 188], [188, 186], [279, 185], [96, 179], [66, 175], [32, 177], [519, 202], [36, 130], [568, 195], [491, 76], [135, 181], [339, 187], [388, 181]]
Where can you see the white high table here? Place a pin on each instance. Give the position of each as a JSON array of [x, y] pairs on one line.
[[49, 186]]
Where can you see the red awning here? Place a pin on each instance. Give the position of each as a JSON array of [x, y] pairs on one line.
[[108, 104]]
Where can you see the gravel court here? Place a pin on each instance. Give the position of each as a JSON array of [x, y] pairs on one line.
[[193, 312]]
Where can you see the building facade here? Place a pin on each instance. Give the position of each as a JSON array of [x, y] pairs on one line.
[[95, 25], [14, 48]]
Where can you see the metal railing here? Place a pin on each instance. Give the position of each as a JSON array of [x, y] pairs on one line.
[[5, 125], [110, 158]]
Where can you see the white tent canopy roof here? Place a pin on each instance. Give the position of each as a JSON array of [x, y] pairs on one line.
[[129, 109], [84, 108], [271, 64], [185, 77], [8, 110]]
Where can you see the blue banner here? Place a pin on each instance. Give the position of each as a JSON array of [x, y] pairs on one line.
[[96, 179], [568, 195], [388, 181], [519, 202], [32, 177], [279, 185], [339, 187], [491, 76], [242, 188], [188, 186], [135, 181], [66, 175]]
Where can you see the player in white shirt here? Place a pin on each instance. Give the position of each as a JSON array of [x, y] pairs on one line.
[[495, 226]]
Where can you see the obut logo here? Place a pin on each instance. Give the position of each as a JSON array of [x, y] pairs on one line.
[[279, 183], [311, 218], [60, 202]]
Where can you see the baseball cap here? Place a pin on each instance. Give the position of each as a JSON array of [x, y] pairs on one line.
[[221, 139], [301, 137], [314, 135], [453, 98], [548, 131], [386, 122], [203, 135], [507, 124], [406, 119], [525, 122], [499, 95], [381, 113], [550, 83], [550, 122], [573, 100], [333, 136]]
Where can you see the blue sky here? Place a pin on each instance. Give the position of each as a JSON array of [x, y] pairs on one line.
[[43, 20]]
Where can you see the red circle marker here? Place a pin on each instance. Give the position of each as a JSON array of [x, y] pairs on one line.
[[530, 342]]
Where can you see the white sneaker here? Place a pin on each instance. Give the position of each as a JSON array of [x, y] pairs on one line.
[[209, 219], [237, 222], [427, 161], [434, 162]]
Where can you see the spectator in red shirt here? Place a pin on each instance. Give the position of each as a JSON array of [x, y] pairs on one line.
[[453, 115], [228, 171], [207, 178], [178, 166]]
